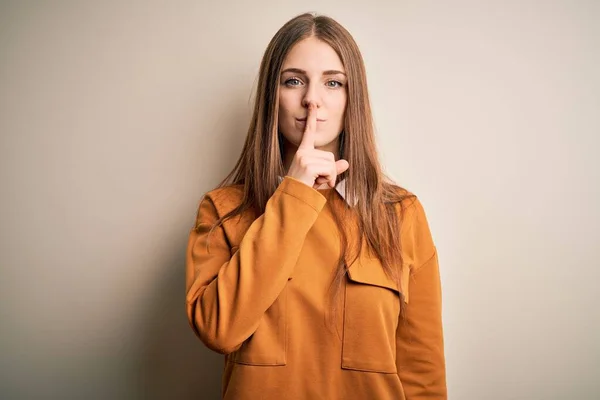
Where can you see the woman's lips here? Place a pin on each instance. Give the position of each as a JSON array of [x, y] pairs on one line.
[[304, 120], [301, 123]]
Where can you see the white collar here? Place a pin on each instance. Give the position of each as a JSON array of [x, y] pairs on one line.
[[340, 187]]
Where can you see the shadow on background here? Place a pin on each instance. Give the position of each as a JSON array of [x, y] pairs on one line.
[[173, 362]]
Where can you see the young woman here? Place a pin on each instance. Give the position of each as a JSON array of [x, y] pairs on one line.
[[311, 271]]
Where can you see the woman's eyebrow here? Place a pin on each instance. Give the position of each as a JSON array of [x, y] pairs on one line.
[[303, 72]]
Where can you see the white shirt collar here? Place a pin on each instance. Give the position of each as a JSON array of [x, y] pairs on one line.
[[340, 187]]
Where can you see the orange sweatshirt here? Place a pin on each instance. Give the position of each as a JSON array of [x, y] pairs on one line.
[[257, 292]]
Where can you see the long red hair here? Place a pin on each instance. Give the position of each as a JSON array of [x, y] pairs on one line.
[[379, 203]]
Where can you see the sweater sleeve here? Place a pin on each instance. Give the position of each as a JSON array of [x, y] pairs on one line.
[[420, 356], [228, 291]]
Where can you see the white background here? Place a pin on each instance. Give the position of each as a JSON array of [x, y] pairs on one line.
[[116, 116]]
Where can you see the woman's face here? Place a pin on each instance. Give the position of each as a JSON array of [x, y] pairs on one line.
[[312, 73]]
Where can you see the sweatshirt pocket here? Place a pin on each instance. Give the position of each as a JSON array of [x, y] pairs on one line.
[[371, 313], [267, 345]]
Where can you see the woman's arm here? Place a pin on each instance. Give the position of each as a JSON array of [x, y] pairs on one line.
[[227, 294], [419, 341]]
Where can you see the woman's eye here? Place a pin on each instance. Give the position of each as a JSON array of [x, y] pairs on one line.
[[334, 84], [292, 82]]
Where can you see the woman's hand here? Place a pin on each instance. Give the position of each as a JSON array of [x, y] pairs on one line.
[[311, 166]]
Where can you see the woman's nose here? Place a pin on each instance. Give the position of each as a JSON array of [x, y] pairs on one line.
[[312, 96]]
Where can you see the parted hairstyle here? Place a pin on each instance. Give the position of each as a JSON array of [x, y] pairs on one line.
[[379, 202]]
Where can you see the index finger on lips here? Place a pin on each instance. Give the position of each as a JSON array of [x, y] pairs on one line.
[[308, 137]]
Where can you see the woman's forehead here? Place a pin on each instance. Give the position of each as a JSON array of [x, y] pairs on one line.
[[313, 56]]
